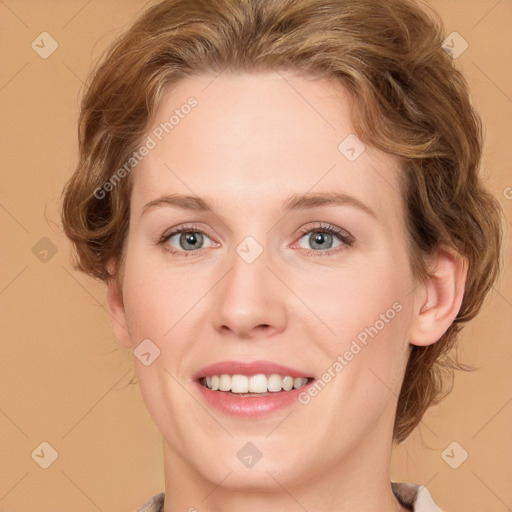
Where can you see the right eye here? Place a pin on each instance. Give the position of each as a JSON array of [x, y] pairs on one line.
[[185, 239]]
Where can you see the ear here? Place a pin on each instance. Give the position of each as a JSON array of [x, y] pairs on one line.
[[115, 308], [439, 297]]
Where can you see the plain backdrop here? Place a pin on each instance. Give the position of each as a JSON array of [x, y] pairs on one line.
[[64, 379]]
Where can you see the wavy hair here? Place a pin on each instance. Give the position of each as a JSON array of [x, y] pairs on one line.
[[409, 101]]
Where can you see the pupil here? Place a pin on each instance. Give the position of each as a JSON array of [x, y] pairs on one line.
[[320, 239], [189, 240]]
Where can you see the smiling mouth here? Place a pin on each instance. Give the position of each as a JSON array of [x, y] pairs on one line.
[[253, 385]]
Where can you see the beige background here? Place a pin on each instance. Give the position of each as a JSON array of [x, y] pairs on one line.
[[64, 378]]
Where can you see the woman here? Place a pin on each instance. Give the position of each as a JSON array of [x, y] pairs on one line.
[[282, 197]]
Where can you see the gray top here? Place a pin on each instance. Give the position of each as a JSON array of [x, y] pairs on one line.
[[413, 496]]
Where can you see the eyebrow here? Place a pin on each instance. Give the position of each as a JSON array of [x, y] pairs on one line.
[[295, 202]]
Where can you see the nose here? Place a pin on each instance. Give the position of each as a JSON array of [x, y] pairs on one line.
[[250, 300]]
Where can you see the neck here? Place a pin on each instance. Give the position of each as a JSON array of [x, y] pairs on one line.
[[347, 486]]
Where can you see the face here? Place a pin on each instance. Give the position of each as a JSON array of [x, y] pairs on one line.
[[262, 244]]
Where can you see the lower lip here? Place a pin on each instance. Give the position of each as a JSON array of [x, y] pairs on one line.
[[249, 406]]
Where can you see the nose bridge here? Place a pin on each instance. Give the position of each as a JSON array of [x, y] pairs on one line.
[[249, 297]]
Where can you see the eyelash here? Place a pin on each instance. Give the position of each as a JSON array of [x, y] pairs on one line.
[[346, 239]]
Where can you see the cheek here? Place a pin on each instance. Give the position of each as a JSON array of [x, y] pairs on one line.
[[156, 297], [350, 299], [368, 310]]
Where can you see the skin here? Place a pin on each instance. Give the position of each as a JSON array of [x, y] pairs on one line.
[[253, 141]]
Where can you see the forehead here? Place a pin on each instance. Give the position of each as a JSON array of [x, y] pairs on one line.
[[255, 139]]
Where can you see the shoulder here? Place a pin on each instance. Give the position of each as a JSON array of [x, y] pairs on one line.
[[414, 496], [154, 504]]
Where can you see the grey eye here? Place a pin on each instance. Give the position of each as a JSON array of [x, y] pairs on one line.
[[321, 240]]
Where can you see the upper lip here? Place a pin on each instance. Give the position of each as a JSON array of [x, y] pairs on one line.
[[248, 368]]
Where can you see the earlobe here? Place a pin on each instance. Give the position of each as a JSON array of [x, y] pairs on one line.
[[116, 311], [439, 297]]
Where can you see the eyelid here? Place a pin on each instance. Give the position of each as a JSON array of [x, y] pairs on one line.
[[344, 236], [322, 226], [182, 229], [186, 228]]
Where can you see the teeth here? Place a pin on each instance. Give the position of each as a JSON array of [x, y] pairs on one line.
[[297, 383], [239, 384], [259, 383], [275, 383], [224, 383], [288, 383]]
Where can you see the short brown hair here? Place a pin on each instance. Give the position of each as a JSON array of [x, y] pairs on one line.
[[410, 101]]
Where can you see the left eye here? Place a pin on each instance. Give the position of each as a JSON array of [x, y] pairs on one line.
[[187, 240], [322, 239]]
